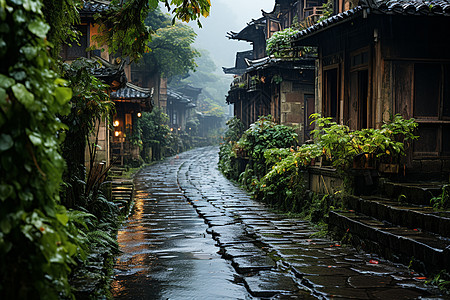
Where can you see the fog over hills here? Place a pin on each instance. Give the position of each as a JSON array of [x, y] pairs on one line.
[[228, 15], [225, 16]]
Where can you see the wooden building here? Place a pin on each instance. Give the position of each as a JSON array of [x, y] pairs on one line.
[[129, 99], [240, 65], [180, 107], [283, 86], [381, 58]]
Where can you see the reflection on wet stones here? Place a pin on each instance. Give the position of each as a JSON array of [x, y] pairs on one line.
[[212, 241], [268, 284]]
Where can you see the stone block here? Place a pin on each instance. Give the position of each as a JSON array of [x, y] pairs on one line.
[[269, 284], [285, 108], [293, 97], [446, 165], [286, 87], [297, 109], [432, 166], [416, 165], [293, 118]]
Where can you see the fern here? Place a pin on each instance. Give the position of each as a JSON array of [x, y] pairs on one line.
[[81, 218], [103, 238]]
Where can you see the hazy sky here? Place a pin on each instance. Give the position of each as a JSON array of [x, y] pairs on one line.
[[228, 15]]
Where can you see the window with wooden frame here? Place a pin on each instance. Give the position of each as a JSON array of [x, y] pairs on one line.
[[175, 118], [309, 109], [331, 93], [431, 108], [359, 90]]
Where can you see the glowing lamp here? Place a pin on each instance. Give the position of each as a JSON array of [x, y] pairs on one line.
[[116, 133], [116, 123], [139, 115]]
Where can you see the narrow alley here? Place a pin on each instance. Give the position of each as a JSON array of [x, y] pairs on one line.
[[195, 235]]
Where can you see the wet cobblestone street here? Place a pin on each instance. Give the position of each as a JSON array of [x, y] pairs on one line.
[[195, 235]]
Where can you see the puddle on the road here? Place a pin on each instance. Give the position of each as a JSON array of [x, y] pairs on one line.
[[167, 253], [170, 253], [167, 256], [197, 255]]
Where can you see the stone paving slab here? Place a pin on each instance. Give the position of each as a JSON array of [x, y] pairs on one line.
[[248, 264], [318, 262], [233, 252], [272, 256], [268, 284]]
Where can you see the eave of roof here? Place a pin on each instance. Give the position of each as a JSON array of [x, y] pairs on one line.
[[233, 71], [131, 91], [107, 72], [240, 65], [328, 23], [179, 97], [306, 63], [245, 34], [190, 89], [389, 7], [92, 7]]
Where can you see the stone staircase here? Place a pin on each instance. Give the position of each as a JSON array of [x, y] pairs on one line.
[[399, 224], [121, 188]]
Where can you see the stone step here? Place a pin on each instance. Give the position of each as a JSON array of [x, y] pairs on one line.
[[115, 172], [425, 251], [122, 183], [122, 192], [122, 186], [126, 198], [414, 193], [118, 168], [412, 216]]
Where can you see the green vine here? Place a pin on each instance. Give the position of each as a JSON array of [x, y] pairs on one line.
[[279, 45], [37, 241]]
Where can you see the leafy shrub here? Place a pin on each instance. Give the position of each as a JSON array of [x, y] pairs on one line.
[[283, 185], [262, 135], [37, 242], [443, 200], [154, 133], [89, 105], [280, 42], [280, 45], [341, 145], [227, 157]]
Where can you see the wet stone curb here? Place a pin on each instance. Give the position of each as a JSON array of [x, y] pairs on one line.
[[278, 257]]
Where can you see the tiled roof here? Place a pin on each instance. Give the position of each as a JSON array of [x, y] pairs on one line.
[[246, 33], [410, 7], [344, 16], [131, 91], [298, 63], [233, 71], [105, 68], [107, 71], [389, 7], [94, 6], [240, 66], [180, 98], [259, 62]]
